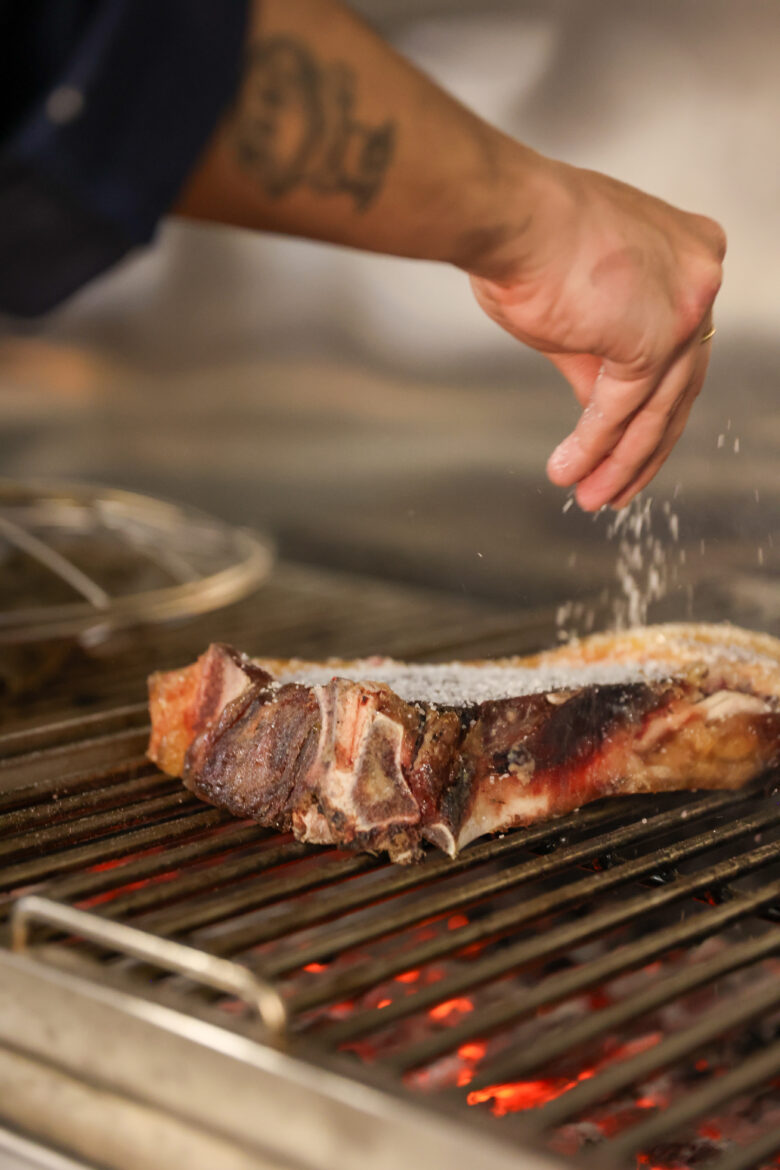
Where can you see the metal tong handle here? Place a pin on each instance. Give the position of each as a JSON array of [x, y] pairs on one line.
[[199, 966]]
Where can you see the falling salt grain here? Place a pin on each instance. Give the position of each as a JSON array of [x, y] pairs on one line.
[[736, 446], [721, 440], [760, 556], [568, 504]]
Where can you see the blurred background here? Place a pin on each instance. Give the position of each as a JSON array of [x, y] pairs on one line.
[[363, 411]]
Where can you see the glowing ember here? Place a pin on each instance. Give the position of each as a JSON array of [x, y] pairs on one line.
[[711, 1131], [521, 1095], [383, 1003], [517, 1096], [456, 921], [315, 967], [451, 1007], [408, 977], [652, 1101], [474, 1051]]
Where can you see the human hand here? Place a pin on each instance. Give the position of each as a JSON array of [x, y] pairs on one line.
[[616, 288]]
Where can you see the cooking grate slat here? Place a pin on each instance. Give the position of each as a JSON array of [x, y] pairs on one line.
[[83, 803], [750, 1074], [218, 875], [102, 851], [181, 920], [555, 941], [589, 975], [242, 937], [115, 820], [513, 1065], [502, 920], [747, 1157], [396, 880], [672, 1050], [139, 848]]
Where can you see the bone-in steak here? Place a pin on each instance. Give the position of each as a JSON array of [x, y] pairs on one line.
[[381, 755]]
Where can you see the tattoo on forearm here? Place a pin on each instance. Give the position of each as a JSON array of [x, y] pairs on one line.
[[296, 126]]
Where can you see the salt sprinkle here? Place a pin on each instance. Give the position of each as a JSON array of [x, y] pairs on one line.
[[459, 684]]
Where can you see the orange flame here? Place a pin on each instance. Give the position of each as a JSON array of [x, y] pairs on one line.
[[408, 977], [314, 967]]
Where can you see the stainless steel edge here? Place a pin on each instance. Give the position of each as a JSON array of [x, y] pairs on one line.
[[199, 966], [21, 1153], [108, 1054]]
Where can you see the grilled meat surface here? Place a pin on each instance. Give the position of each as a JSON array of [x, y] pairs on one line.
[[380, 755]]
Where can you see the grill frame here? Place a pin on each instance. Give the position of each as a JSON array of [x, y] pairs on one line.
[[94, 771]]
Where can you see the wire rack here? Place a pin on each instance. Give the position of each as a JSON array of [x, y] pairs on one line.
[[82, 563]]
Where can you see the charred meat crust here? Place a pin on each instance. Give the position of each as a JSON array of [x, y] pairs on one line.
[[248, 760], [352, 764]]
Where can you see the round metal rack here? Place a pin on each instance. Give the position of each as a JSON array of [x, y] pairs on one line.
[[83, 563]]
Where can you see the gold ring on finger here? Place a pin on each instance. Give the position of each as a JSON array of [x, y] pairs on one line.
[[708, 336]]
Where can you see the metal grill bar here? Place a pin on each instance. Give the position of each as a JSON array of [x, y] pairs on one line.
[[117, 820], [73, 731], [85, 886], [554, 941], [673, 1049], [96, 852], [82, 804], [217, 903], [500, 921], [80, 766], [748, 1075], [513, 1065], [230, 869], [394, 881], [568, 983], [750, 1156], [178, 920]]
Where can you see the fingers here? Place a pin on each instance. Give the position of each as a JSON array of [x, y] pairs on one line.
[[649, 438], [651, 468], [612, 405]]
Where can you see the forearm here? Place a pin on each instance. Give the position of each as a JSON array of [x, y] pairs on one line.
[[336, 137]]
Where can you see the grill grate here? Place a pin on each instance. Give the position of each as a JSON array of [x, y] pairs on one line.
[[433, 972]]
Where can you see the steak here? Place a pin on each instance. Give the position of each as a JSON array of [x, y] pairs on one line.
[[383, 756]]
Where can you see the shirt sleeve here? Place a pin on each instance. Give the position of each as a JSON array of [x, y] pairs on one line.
[[102, 152]]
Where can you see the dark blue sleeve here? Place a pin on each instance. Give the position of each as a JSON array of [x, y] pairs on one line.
[[126, 102]]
